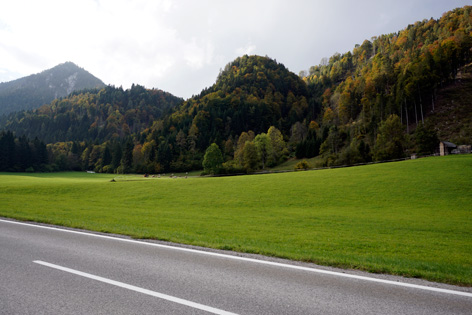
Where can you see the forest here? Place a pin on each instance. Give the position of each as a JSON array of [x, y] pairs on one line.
[[369, 104], [93, 115], [23, 155], [38, 89]]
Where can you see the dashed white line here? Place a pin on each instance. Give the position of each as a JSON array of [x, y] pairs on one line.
[[137, 289], [264, 262]]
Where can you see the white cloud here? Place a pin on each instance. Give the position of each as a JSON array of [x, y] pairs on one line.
[[179, 46], [246, 50], [197, 53]]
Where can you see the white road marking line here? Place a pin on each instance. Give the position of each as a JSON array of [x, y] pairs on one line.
[[263, 262], [137, 289]]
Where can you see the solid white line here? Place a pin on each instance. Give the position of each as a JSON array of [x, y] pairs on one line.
[[138, 289], [264, 262]]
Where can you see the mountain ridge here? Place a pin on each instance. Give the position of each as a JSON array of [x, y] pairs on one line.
[[363, 105], [35, 90], [92, 115]]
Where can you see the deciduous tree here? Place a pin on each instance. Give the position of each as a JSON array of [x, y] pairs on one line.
[[391, 140], [213, 159], [264, 147], [250, 157]]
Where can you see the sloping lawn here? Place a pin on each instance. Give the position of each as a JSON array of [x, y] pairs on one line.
[[411, 218]]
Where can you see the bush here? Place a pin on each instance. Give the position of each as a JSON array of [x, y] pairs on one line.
[[232, 167], [108, 169], [119, 170], [427, 141], [302, 165]]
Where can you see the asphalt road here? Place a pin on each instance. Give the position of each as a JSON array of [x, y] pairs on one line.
[[45, 270]]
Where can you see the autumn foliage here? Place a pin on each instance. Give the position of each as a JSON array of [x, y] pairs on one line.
[[258, 113]]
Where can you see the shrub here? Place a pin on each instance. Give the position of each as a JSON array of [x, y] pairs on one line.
[[302, 165]]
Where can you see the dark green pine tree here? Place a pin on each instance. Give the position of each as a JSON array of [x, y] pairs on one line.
[[116, 155], [164, 156], [40, 154], [106, 157], [7, 151], [127, 159], [23, 154]]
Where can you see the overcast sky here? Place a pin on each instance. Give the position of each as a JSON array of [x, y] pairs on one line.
[[180, 46]]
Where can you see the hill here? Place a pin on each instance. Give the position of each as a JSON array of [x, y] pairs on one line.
[[393, 81], [250, 95], [356, 107], [96, 115], [38, 89], [371, 103]]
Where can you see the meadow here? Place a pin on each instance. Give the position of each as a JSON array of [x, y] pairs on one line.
[[410, 218]]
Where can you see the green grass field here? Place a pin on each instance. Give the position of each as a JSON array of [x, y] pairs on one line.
[[411, 218]]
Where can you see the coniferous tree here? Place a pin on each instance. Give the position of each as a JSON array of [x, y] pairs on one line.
[[107, 156], [40, 154], [127, 158], [7, 151], [116, 156], [23, 154]]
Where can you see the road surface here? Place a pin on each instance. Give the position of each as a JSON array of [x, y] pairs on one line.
[[49, 270]]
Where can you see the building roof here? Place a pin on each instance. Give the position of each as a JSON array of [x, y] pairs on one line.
[[449, 144]]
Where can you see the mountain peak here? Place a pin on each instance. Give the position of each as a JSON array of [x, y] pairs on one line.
[[38, 89]]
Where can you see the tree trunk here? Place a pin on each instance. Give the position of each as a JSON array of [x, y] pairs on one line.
[[401, 113], [406, 115], [416, 113], [421, 106]]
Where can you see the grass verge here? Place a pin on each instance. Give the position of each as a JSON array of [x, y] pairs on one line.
[[410, 218]]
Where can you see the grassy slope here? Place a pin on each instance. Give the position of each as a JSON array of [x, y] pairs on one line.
[[410, 218]]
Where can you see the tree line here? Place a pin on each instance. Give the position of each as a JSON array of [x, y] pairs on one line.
[[367, 104], [22, 155], [389, 76], [93, 115]]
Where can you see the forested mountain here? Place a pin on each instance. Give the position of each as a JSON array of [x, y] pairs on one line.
[[371, 103], [93, 115], [396, 74], [251, 94], [360, 106], [38, 89]]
